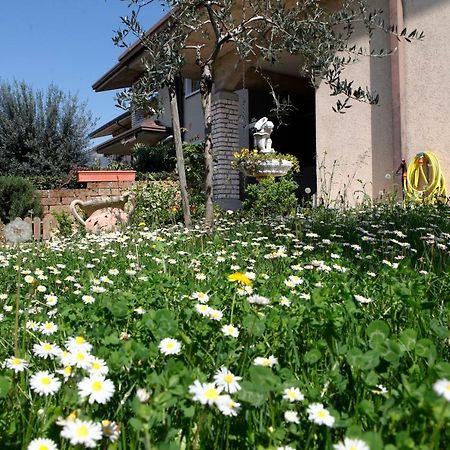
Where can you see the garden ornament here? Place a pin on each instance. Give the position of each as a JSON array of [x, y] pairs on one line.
[[264, 128], [104, 214]]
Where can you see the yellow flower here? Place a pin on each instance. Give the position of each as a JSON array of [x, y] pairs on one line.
[[240, 278], [141, 224]]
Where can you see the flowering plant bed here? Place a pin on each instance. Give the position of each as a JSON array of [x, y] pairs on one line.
[[105, 175], [327, 331]]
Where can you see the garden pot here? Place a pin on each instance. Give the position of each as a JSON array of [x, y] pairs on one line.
[[106, 175], [272, 168]]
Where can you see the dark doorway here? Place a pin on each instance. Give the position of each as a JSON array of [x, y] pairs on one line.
[[297, 137]]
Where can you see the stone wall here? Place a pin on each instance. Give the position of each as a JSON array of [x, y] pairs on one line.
[[60, 199]]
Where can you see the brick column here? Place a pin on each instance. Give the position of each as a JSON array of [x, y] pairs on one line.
[[225, 137]]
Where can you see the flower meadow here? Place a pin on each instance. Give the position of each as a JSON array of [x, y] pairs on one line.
[[329, 330]]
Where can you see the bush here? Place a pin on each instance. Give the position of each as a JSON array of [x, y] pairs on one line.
[[55, 182], [271, 197], [65, 223], [156, 158], [18, 199], [157, 203], [194, 159]]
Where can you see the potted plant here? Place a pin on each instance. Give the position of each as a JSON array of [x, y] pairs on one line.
[[116, 171], [261, 165]]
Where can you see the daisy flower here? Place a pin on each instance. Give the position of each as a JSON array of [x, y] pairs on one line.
[[169, 346], [143, 395], [81, 359], [44, 383], [361, 299], [42, 444], [51, 299], [215, 314], [82, 432], [318, 414], [98, 388], [351, 444], [48, 328], [205, 393], [227, 406], [291, 417], [98, 366], [230, 330], [78, 343], [16, 364], [41, 288], [202, 297], [66, 372], [293, 394], [227, 381], [46, 350], [204, 310], [111, 430], [442, 388], [265, 362], [88, 299], [258, 300]]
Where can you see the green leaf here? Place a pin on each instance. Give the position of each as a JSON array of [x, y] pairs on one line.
[[408, 339], [312, 356], [5, 386], [377, 331]]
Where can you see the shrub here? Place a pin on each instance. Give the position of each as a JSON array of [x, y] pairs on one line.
[[18, 199], [157, 203], [156, 158], [271, 197], [65, 222], [195, 166], [55, 181]]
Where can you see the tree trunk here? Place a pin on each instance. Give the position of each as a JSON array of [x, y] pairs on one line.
[[176, 129], [206, 93]]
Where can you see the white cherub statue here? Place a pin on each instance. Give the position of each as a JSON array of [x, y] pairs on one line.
[[264, 128]]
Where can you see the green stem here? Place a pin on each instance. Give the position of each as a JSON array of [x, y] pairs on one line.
[[437, 429]]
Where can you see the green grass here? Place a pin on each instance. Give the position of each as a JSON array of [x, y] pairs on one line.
[[372, 365]]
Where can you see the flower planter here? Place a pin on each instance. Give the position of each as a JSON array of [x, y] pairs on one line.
[[272, 168], [106, 175]]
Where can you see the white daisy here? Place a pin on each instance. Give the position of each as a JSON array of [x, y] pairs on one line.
[[265, 362], [291, 417], [361, 299], [169, 346], [143, 395], [44, 383], [81, 359], [442, 388], [42, 444], [351, 444], [98, 366], [227, 406], [51, 299], [82, 432], [78, 343], [318, 414], [46, 350], [226, 380], [230, 330], [48, 328], [205, 393], [88, 299], [98, 388], [258, 300], [293, 394], [202, 309], [202, 297], [16, 364], [215, 314]]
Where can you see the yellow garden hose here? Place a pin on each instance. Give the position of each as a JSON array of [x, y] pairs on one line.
[[425, 182]]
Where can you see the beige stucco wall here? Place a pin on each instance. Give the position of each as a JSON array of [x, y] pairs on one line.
[[354, 150], [361, 141], [427, 78]]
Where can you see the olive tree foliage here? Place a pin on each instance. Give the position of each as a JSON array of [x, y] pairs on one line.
[[260, 30], [41, 132]]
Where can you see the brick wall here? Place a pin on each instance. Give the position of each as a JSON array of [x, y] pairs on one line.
[[60, 199], [225, 137]]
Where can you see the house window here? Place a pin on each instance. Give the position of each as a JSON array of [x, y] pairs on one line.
[[191, 87]]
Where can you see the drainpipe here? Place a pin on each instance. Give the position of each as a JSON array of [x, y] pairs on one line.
[[398, 83]]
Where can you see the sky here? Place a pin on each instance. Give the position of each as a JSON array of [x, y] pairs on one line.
[[67, 43]]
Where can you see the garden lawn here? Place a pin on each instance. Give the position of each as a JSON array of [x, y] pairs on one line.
[[325, 331]]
